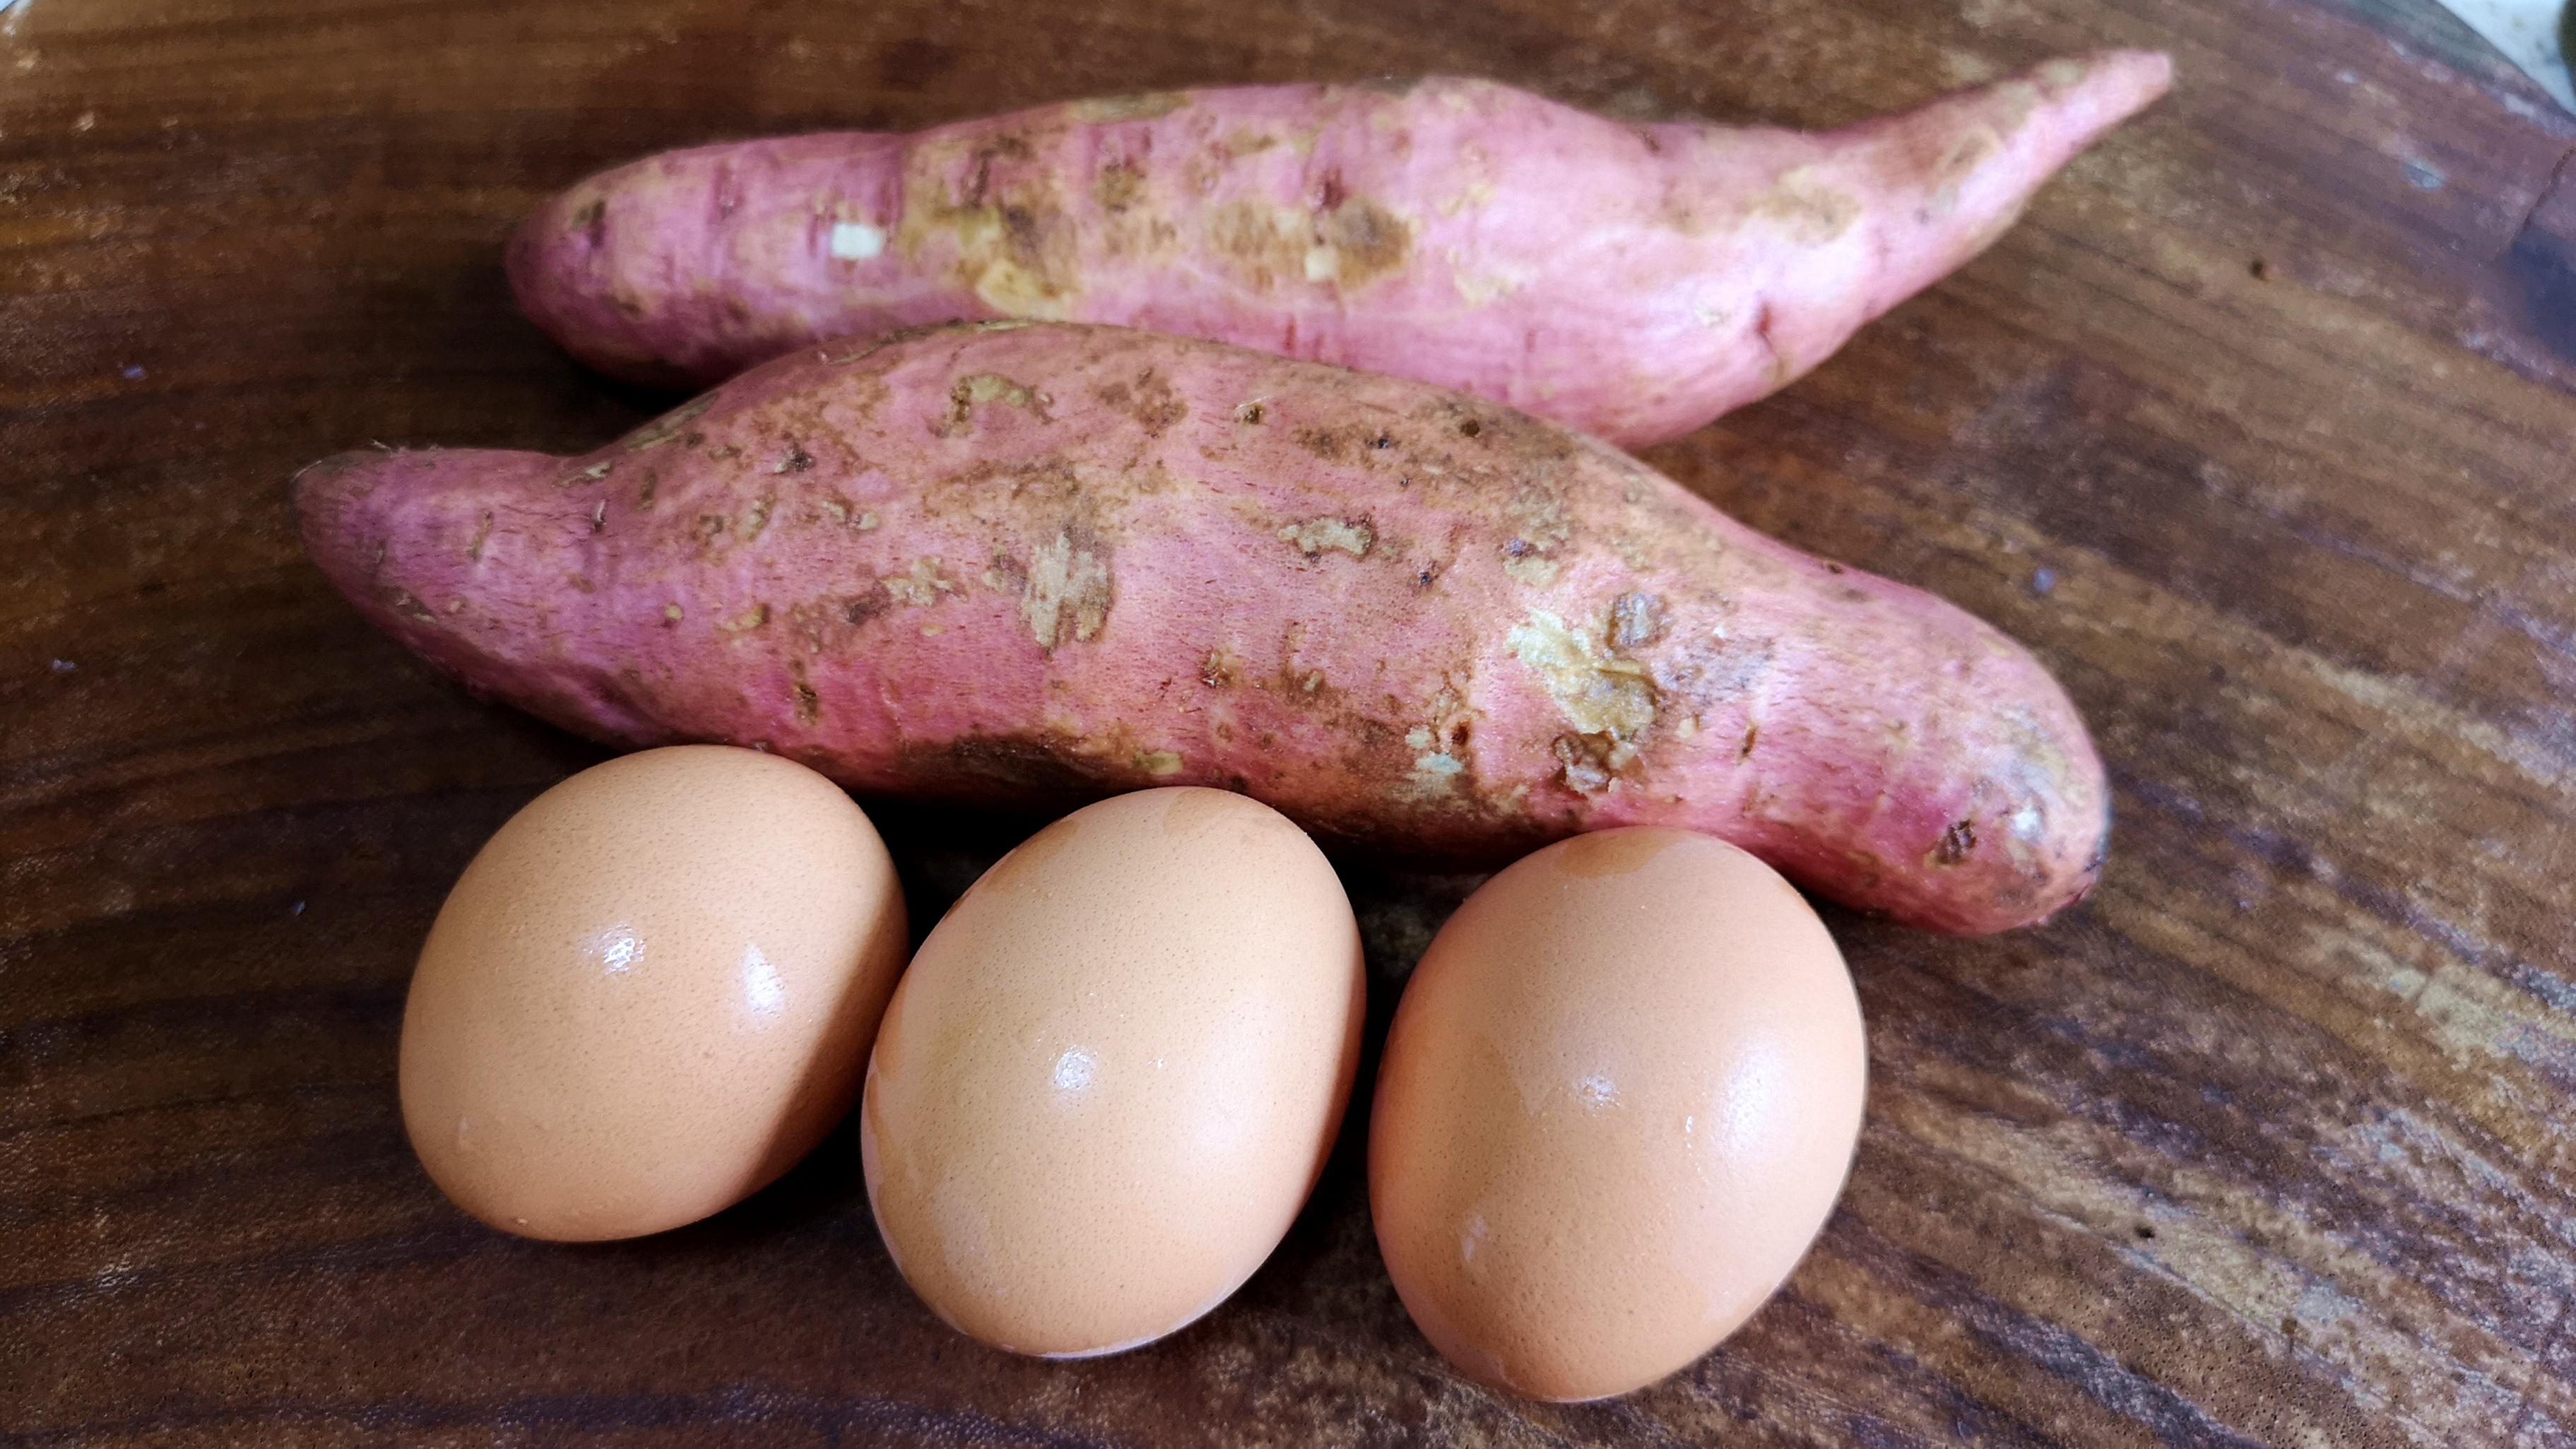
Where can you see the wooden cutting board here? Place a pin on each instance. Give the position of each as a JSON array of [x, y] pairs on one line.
[[2259, 430]]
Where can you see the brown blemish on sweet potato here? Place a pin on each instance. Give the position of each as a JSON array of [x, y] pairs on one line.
[[971, 392], [1349, 245], [1069, 588], [1956, 166], [1811, 211], [482, 532], [1523, 561], [1704, 674], [1014, 246], [919, 586], [1956, 844], [1587, 763], [1367, 241], [1147, 398], [1331, 192], [809, 705], [1636, 620], [1353, 536], [1117, 186], [1263, 246], [1244, 141], [861, 607], [1610, 700]]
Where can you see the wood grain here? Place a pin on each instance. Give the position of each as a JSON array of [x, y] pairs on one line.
[[2259, 429]]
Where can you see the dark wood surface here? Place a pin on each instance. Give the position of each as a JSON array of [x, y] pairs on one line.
[[2259, 429]]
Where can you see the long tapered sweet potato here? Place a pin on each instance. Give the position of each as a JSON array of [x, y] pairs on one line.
[[1014, 561], [1633, 281]]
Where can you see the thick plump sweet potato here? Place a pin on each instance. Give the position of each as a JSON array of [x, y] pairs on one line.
[[1014, 561], [1633, 281]]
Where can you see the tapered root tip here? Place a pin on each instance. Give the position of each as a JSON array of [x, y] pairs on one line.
[[2113, 84], [320, 492]]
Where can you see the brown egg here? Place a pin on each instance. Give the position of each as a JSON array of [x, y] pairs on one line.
[[1112, 1074], [1619, 1098], [650, 993]]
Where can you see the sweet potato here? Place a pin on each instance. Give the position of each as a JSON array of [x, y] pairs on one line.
[[1633, 281], [1023, 561]]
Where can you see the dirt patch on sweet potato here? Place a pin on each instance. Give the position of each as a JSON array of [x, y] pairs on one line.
[[1366, 240], [1069, 588], [1117, 186], [976, 390], [1811, 211], [1636, 620], [1314, 536], [1148, 398], [1001, 228], [1348, 245], [1264, 247]]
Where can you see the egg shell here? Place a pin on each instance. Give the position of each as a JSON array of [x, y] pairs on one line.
[[651, 992], [1113, 1072], [1618, 1100]]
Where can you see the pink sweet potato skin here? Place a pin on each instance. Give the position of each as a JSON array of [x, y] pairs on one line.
[[1632, 281], [1019, 561]]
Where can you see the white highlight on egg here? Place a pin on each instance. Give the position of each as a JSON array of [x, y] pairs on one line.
[[1751, 1098], [762, 991], [619, 949], [1598, 1091], [1075, 1069], [856, 241]]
